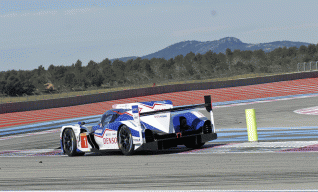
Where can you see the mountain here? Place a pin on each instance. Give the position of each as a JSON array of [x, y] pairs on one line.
[[217, 46]]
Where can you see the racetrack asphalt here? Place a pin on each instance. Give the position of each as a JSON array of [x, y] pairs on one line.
[[163, 171], [277, 161]]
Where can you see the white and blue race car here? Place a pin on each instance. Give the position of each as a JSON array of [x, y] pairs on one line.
[[153, 125]]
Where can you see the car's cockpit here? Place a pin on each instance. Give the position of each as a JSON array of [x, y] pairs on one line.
[[111, 115]]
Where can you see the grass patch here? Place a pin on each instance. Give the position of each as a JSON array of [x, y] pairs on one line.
[[106, 90]]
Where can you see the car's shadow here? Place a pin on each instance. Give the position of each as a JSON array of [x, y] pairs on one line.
[[173, 150]]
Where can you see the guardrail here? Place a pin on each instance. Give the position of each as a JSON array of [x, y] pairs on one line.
[[311, 66], [100, 97]]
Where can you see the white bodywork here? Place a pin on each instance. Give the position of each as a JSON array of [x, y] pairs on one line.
[[108, 140]]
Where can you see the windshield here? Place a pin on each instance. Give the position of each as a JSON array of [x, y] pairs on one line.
[[111, 115], [106, 119]]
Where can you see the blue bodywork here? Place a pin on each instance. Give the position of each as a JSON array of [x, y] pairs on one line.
[[193, 121], [119, 115]]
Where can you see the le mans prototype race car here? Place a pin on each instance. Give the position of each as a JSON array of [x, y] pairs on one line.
[[153, 125]]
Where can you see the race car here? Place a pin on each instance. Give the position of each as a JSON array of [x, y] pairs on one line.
[[153, 125]]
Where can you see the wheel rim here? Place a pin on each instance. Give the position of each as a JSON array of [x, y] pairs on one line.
[[125, 140], [68, 141]]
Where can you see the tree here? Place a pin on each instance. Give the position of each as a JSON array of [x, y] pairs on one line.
[[239, 66], [178, 63], [292, 52], [51, 68], [155, 64], [40, 70], [91, 70], [167, 69], [311, 49], [135, 65], [78, 67], [146, 69], [69, 79], [302, 49], [260, 54], [28, 87], [2, 86], [246, 55], [13, 86], [229, 55], [10, 73], [58, 72], [237, 53], [251, 68], [105, 63], [119, 68], [98, 80], [222, 66], [190, 65], [228, 52], [208, 63], [107, 72], [81, 81]]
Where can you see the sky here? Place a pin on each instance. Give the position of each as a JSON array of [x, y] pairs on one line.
[[59, 32]]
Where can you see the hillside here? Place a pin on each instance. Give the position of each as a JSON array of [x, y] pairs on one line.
[[217, 46]]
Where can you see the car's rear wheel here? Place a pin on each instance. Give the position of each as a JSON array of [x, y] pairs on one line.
[[125, 141], [69, 143]]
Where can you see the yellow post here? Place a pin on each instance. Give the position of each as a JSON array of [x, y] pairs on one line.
[[251, 125]]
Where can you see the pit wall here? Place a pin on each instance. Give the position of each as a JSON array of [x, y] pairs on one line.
[[85, 99]]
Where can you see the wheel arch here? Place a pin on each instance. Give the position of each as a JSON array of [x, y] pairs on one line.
[[64, 128], [75, 129]]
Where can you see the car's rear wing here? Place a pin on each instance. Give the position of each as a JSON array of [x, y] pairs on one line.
[[207, 104]]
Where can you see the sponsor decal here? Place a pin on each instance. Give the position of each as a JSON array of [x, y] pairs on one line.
[[112, 140], [84, 140], [160, 116], [135, 109]]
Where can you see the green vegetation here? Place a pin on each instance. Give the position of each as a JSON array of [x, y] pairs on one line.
[[107, 76]]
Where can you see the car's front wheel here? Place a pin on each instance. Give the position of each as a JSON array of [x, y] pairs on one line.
[[125, 141], [69, 143]]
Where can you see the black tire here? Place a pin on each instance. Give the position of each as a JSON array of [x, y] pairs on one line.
[[193, 145], [125, 141], [69, 143]]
